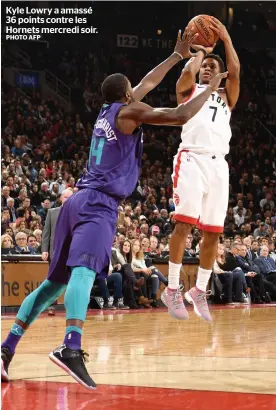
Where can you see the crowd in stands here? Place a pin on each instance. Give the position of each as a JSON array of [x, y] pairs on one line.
[[45, 150]]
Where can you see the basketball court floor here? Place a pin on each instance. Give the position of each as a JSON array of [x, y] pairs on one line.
[[147, 360]]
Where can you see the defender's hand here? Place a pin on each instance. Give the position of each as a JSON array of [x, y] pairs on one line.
[[184, 42]]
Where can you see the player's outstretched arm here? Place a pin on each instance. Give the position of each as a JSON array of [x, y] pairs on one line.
[[186, 81], [232, 61], [131, 116], [155, 76]]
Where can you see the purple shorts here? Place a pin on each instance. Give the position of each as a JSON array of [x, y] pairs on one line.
[[84, 234]]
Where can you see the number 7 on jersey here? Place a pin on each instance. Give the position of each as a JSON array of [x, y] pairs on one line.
[[214, 113]]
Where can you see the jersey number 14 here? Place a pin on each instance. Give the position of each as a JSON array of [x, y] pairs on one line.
[[97, 152]]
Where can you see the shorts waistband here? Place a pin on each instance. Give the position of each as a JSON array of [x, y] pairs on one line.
[[212, 155]]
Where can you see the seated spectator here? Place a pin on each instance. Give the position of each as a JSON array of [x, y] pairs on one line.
[[255, 249], [132, 282], [266, 269], [153, 247], [239, 206], [261, 230], [232, 280], [145, 243], [231, 265], [267, 201], [5, 219], [267, 265], [272, 253], [189, 252], [38, 234], [11, 208], [114, 279], [21, 244], [138, 265], [253, 277], [46, 204], [239, 217], [7, 246], [32, 243]]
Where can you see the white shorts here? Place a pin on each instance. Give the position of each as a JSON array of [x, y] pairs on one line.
[[201, 190]]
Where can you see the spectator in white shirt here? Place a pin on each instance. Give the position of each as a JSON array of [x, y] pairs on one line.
[[239, 217], [239, 206], [267, 200]]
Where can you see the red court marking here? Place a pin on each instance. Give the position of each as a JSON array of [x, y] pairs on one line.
[[28, 395]]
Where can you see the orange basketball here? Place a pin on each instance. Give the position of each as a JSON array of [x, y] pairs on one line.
[[200, 24]]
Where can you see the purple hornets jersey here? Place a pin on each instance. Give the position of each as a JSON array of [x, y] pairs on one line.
[[115, 158]]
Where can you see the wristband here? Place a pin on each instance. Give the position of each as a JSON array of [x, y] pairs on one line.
[[175, 52]]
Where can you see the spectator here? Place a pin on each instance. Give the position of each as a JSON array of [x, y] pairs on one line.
[[138, 265], [232, 281], [254, 279], [45, 208], [267, 265], [267, 201], [114, 279], [7, 246], [255, 249], [261, 231], [133, 281], [21, 244], [32, 243]]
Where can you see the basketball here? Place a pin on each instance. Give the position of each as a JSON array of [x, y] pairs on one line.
[[200, 24]]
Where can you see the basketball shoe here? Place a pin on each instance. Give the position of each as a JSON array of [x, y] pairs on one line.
[[198, 298], [6, 358], [72, 361], [173, 299]]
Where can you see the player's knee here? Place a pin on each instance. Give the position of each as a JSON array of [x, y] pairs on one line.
[[182, 229], [211, 238]]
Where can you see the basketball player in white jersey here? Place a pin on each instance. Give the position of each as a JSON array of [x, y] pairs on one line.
[[201, 175]]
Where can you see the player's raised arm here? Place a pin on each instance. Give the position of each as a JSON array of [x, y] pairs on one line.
[[232, 61], [186, 81], [155, 76], [136, 113]]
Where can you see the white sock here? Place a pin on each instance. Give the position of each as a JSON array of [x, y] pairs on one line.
[[203, 277], [174, 275]]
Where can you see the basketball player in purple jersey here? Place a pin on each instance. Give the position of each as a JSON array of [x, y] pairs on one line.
[[86, 224]]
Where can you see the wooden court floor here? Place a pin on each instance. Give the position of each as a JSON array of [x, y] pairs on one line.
[[148, 359]]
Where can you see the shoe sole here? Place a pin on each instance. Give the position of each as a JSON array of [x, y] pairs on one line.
[[67, 370], [4, 374], [172, 313], [191, 301]]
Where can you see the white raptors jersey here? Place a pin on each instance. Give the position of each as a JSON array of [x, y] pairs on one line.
[[209, 130]]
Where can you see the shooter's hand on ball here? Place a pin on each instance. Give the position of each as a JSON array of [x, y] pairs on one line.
[[207, 50], [215, 81], [184, 43], [219, 28]]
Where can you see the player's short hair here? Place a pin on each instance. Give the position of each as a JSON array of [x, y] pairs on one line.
[[114, 87], [218, 59]]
